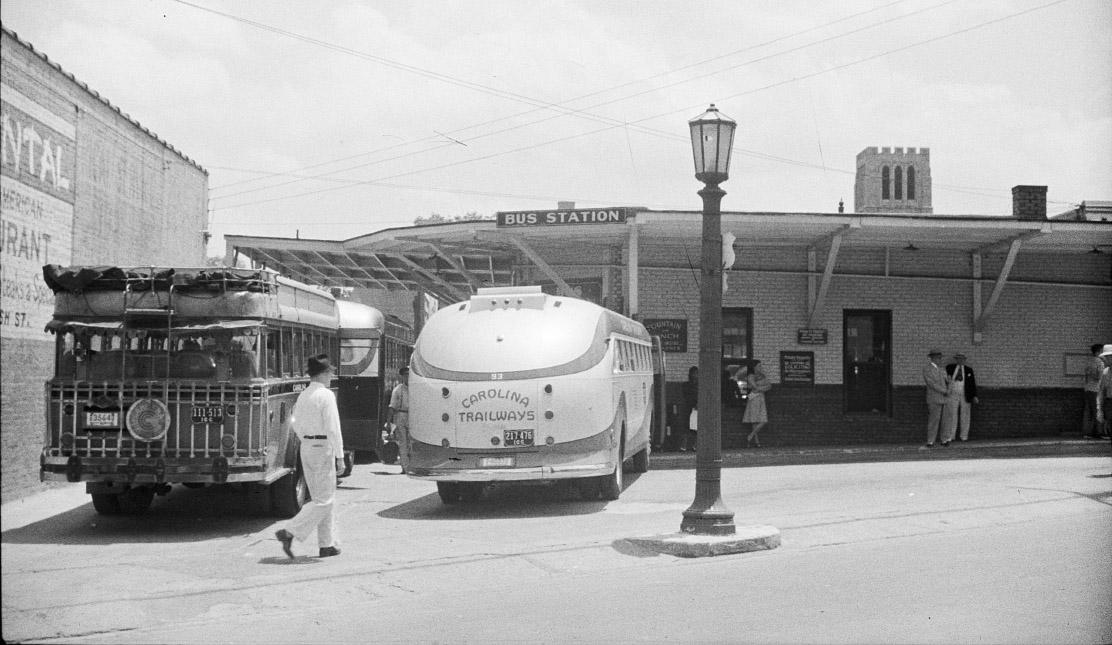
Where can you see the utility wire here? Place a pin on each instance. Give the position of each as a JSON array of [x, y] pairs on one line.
[[671, 112], [531, 111], [584, 114]]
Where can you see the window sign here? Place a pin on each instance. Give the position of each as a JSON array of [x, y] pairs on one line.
[[797, 368]]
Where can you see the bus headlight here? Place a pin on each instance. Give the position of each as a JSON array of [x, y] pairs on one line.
[[494, 441], [444, 392], [228, 442], [148, 420]]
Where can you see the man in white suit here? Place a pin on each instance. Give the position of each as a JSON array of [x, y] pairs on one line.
[[937, 392]]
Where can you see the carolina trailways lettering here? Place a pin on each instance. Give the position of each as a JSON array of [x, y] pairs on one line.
[[497, 415]]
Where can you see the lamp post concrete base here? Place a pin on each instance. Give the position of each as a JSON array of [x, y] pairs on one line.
[[691, 545]]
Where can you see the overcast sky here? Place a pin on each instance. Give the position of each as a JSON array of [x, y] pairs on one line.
[[339, 118]]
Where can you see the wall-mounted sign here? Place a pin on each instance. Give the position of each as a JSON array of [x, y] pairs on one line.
[[807, 336], [564, 217], [797, 368], [672, 332]]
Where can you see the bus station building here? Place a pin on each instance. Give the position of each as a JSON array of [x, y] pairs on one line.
[[841, 308]]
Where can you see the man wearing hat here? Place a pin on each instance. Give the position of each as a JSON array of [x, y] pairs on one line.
[[316, 420], [1104, 396], [937, 392], [963, 393], [1094, 369], [398, 414]]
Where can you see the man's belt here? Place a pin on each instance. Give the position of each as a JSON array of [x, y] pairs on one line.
[[315, 436]]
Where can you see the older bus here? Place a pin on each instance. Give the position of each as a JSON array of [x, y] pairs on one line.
[[172, 375], [517, 385], [373, 347]]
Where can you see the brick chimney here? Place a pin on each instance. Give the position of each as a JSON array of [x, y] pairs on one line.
[[1029, 202]]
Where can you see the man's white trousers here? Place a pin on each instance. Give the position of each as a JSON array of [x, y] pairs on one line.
[[319, 466]]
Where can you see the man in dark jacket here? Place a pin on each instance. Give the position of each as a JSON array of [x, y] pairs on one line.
[[963, 393]]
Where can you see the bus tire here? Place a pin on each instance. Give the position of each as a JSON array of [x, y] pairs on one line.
[[449, 492], [134, 501], [471, 491], [610, 486], [640, 460], [289, 494], [106, 503]]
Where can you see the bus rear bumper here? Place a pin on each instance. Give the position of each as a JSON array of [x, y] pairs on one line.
[[590, 457], [512, 474], [154, 470]]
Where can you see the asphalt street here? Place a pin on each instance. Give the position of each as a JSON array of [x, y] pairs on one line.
[[971, 550]]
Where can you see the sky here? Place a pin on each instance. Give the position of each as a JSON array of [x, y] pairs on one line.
[[330, 120]]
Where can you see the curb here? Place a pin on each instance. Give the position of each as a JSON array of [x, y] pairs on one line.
[[1016, 449], [687, 545]]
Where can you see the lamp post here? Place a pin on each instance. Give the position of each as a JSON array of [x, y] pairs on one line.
[[712, 137]]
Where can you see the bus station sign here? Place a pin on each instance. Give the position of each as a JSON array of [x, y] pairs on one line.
[[519, 219]]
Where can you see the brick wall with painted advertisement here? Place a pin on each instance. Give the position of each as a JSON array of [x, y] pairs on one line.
[[80, 183], [36, 210]]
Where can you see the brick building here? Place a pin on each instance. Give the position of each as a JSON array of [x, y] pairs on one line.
[[82, 183], [841, 308]]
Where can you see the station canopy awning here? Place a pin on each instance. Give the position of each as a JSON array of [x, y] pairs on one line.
[[451, 260]]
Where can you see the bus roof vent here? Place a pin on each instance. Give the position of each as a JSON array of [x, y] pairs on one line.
[[492, 298]]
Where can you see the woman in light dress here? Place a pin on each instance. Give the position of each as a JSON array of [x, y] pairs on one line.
[[755, 410]]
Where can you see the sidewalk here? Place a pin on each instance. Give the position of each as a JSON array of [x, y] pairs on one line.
[[986, 449]]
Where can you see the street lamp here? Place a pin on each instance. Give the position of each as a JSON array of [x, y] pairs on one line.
[[712, 137]]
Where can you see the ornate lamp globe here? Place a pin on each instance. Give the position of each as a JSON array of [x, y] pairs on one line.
[[712, 140]]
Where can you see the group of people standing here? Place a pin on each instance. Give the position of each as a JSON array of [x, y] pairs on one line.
[[951, 393], [746, 382]]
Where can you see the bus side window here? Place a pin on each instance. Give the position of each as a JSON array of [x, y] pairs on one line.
[[285, 353]]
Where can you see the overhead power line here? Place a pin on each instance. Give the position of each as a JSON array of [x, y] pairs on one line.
[[671, 112], [503, 119]]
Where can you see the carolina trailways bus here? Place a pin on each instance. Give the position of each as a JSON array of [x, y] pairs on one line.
[[516, 385]]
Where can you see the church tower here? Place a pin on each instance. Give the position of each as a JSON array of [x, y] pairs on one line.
[[893, 180]]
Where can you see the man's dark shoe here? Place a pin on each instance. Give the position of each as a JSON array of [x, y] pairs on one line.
[[286, 538], [945, 444], [329, 551]]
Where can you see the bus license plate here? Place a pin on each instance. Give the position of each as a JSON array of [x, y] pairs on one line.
[[517, 437], [496, 462], [208, 413], [102, 419]]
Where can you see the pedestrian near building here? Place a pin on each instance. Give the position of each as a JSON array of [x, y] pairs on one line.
[[962, 396], [1104, 392], [690, 414], [756, 412], [1094, 368], [937, 391], [316, 421], [397, 414]]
